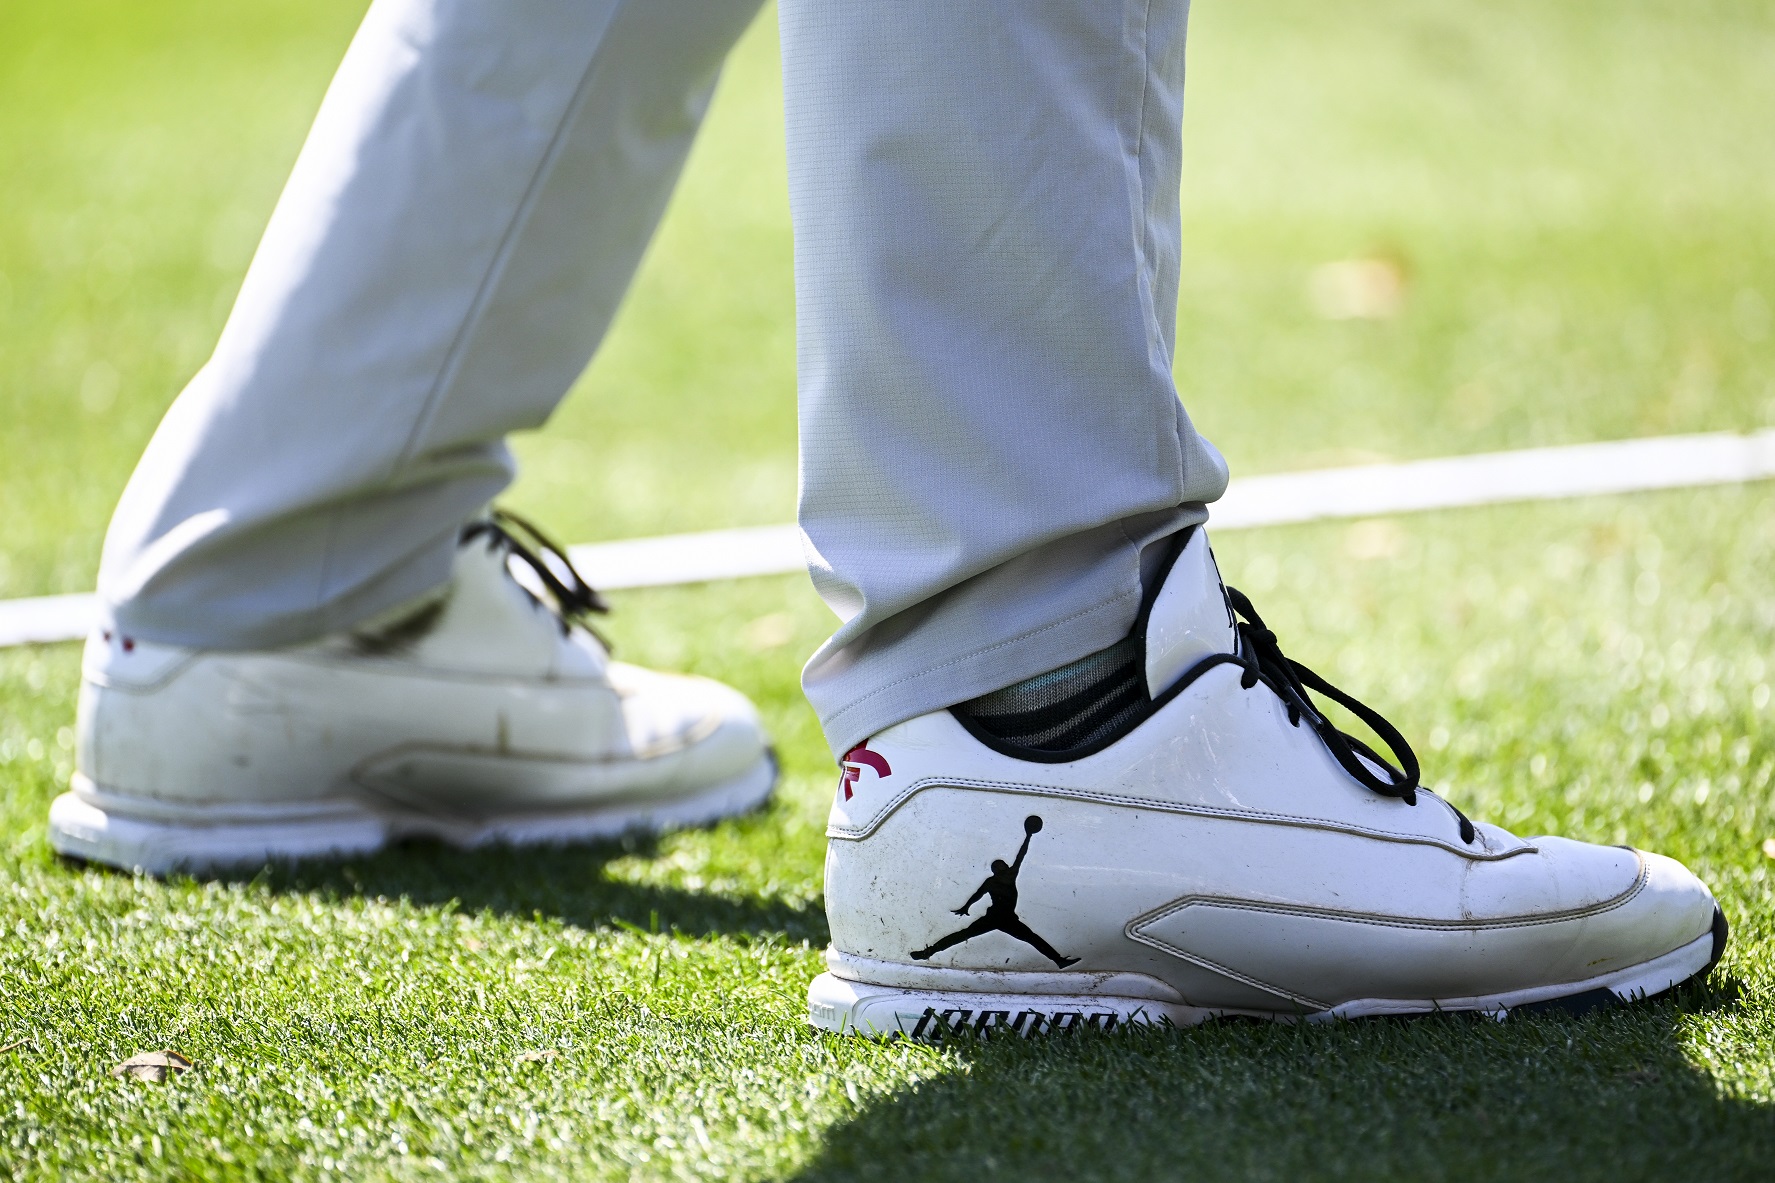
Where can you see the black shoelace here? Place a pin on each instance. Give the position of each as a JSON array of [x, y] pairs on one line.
[[574, 600], [1264, 662]]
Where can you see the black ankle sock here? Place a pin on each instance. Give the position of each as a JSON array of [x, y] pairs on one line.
[[1066, 709], [1087, 704]]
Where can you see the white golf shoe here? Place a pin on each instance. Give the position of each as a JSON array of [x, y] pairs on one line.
[[1233, 854], [483, 714]]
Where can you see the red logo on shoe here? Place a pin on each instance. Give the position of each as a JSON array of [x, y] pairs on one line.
[[855, 761]]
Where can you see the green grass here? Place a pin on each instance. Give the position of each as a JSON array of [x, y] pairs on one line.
[[1582, 196]]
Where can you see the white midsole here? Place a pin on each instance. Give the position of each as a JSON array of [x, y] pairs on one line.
[[157, 838], [837, 1004]]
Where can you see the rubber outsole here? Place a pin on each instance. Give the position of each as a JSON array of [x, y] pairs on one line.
[[95, 826], [847, 1007]]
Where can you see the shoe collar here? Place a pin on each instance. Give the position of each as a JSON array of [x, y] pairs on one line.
[[1189, 619]]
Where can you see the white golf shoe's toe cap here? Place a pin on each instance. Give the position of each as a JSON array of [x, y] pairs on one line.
[[1673, 909], [1662, 910], [709, 731]]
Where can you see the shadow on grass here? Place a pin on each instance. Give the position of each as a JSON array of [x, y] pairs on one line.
[[568, 883], [1609, 1096]]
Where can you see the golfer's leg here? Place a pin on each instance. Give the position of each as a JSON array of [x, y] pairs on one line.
[[476, 192], [986, 222]]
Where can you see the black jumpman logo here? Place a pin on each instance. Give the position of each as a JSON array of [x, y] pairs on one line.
[[1001, 912]]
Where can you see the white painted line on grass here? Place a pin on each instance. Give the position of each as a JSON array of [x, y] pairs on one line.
[[1491, 478], [47, 618], [1369, 490], [690, 558]]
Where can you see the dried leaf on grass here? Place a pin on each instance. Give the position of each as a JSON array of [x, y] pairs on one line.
[[771, 631], [537, 1055], [1358, 289], [153, 1066]]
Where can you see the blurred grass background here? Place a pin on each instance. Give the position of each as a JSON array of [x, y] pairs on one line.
[[1569, 210], [1576, 195]]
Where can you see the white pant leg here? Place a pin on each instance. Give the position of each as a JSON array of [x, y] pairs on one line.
[[985, 201], [472, 201]]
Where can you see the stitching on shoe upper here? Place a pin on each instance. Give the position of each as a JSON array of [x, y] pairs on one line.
[[858, 832], [1525, 920], [363, 773], [1306, 1001], [1132, 929]]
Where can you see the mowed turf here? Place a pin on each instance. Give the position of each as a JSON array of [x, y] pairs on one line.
[[1579, 196]]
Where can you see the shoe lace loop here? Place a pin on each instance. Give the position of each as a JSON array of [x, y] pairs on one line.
[[1264, 661], [570, 597]]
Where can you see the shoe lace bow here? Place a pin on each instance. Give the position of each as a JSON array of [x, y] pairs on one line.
[[1264, 661]]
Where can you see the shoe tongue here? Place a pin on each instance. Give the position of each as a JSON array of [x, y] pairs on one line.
[[1190, 618], [490, 624]]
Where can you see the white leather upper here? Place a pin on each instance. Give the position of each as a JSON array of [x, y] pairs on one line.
[[1220, 851], [477, 699]]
